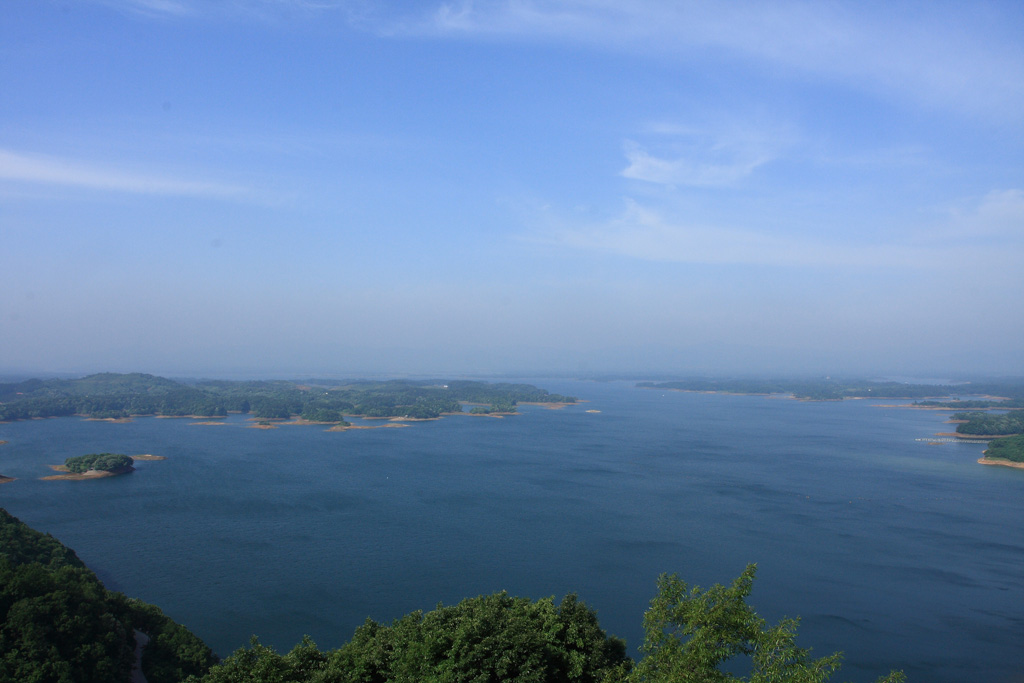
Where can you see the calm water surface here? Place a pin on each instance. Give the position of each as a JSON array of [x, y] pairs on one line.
[[902, 554]]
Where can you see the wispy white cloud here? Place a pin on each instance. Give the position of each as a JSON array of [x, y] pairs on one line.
[[956, 56], [647, 234], [152, 8], [999, 214], [683, 171], [21, 168], [262, 9], [700, 157]]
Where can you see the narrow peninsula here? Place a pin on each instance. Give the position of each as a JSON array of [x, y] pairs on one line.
[[1008, 452]]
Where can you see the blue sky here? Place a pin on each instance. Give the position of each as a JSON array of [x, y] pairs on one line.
[[285, 187]]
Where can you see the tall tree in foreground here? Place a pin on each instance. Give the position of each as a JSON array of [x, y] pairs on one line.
[[691, 633]]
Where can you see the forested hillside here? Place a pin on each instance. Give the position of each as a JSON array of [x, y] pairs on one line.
[[58, 622]]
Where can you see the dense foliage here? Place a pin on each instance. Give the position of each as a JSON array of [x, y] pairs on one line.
[[1011, 448], [988, 424], [58, 623], [110, 395], [690, 634], [322, 413], [21, 544], [488, 638], [973, 404], [106, 462]]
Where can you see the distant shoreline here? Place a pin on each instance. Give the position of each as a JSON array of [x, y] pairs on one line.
[[191, 417], [550, 405], [392, 425]]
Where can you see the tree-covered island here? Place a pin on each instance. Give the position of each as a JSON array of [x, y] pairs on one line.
[[96, 465], [116, 396], [99, 462]]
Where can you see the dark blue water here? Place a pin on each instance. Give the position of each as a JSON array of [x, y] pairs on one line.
[[902, 554]]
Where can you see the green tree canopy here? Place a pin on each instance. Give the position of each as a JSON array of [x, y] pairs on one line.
[[59, 624], [107, 462], [691, 633]]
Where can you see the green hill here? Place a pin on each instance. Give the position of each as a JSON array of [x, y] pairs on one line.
[[59, 623]]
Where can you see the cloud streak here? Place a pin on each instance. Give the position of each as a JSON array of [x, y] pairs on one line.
[[1000, 213], [152, 8], [683, 171], [21, 168], [939, 55], [958, 57], [700, 158], [645, 234], [261, 9]]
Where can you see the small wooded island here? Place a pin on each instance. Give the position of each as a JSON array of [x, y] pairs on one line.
[[99, 462], [94, 466]]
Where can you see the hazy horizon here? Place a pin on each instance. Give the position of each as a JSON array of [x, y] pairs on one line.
[[528, 187]]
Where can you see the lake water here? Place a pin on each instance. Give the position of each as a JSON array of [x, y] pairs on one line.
[[902, 554]]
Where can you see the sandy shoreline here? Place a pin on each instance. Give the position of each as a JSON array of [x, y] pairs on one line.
[[949, 409], [911, 405], [89, 474], [1001, 463], [547, 404], [389, 425], [191, 417], [466, 413]]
